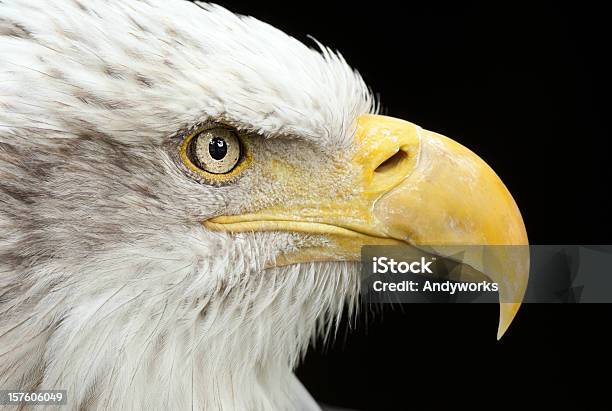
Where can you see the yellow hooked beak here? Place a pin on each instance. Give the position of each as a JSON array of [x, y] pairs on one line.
[[411, 186]]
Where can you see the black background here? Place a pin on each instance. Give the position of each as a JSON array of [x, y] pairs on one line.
[[526, 87]]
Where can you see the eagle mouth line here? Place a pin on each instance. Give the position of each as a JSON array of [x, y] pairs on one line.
[[236, 225], [240, 225]]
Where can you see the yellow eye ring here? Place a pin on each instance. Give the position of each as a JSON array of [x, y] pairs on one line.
[[243, 161]]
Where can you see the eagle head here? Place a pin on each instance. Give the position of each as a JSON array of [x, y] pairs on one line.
[[184, 193]]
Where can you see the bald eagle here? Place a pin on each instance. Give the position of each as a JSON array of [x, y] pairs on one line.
[[184, 193]]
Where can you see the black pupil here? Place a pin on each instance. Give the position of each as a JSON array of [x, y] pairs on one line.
[[217, 148]]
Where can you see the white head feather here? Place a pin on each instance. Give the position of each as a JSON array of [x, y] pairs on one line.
[[109, 285]]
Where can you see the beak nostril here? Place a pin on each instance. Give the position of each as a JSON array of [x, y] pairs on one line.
[[392, 162]]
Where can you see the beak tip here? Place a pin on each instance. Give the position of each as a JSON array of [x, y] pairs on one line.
[[502, 328], [507, 312]]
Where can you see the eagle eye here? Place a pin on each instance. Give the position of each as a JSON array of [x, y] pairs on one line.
[[216, 150], [216, 153]]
